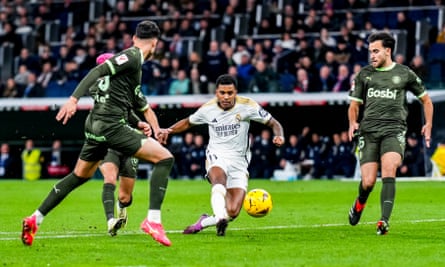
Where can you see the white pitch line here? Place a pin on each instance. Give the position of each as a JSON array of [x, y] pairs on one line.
[[53, 235]]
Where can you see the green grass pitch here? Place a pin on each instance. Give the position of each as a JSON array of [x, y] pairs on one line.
[[308, 226]]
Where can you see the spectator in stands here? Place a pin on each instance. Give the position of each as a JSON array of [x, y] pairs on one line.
[[342, 52], [341, 158], [9, 37], [405, 24], [263, 156], [413, 164], [33, 88], [215, 63], [329, 60], [304, 83], [9, 89], [28, 59], [197, 82], [8, 163], [327, 39], [324, 81], [242, 86], [259, 53], [400, 59], [264, 80], [180, 85], [359, 52], [21, 78], [195, 62], [418, 66], [343, 82], [314, 161], [291, 154], [32, 160], [185, 157], [198, 158], [55, 165], [245, 69], [45, 75]]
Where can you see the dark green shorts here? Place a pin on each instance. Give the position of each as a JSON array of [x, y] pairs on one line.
[[371, 146], [127, 165], [101, 135]]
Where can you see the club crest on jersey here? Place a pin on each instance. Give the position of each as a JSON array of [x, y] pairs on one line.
[[396, 79], [121, 59], [238, 118]]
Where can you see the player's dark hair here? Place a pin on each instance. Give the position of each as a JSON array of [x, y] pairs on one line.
[[227, 79], [147, 29], [387, 40]]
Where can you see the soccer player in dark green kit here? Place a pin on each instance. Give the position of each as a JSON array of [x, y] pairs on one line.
[[381, 87], [107, 127]]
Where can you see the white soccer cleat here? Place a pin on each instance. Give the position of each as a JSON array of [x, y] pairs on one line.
[[122, 214], [114, 225]]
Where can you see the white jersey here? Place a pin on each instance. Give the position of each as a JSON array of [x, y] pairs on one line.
[[229, 129]]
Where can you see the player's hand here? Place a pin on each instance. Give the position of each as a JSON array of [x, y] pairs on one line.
[[426, 132], [145, 127], [161, 135], [278, 140], [353, 127], [67, 110]]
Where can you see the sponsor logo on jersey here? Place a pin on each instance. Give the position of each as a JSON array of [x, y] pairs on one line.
[[121, 59], [384, 93]]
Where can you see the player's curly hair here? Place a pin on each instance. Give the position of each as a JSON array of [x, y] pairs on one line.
[[147, 29], [387, 39], [226, 79]]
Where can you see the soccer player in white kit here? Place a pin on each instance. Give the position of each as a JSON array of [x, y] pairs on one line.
[[228, 118]]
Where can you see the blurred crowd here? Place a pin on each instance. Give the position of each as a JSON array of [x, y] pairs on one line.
[[301, 46], [305, 155]]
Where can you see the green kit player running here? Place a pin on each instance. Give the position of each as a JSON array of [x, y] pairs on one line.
[[107, 127], [381, 87], [115, 164]]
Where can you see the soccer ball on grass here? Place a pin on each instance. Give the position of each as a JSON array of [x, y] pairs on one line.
[[258, 202]]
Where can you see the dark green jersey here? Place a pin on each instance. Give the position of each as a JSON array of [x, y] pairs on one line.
[[116, 88], [383, 93]]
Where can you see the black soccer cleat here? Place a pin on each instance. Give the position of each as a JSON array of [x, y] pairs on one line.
[[382, 227], [356, 212], [221, 227]]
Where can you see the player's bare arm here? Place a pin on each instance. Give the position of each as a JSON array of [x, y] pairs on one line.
[[277, 129], [428, 114], [353, 117], [160, 134], [180, 126]]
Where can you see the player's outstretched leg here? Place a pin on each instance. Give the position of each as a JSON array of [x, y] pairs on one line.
[[29, 229], [197, 226], [156, 231]]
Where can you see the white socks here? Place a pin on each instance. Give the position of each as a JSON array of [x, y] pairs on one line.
[[154, 216], [218, 201], [39, 217]]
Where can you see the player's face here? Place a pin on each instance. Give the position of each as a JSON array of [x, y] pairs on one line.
[[379, 56], [226, 93]]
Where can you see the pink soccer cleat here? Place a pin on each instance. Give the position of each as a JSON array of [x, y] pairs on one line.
[[29, 229], [156, 231]]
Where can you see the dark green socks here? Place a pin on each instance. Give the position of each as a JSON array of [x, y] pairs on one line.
[[60, 191], [387, 196], [108, 200], [159, 181]]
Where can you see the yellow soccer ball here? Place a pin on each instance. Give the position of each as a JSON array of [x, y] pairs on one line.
[[257, 203]]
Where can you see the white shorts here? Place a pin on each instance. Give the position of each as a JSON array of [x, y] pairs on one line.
[[235, 169]]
